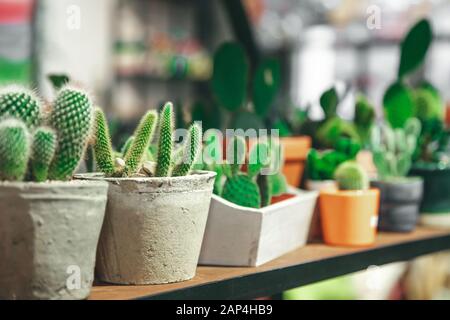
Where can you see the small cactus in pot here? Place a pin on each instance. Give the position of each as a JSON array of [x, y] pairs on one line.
[[60, 220]]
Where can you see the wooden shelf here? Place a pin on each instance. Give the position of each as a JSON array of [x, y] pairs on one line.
[[309, 264]]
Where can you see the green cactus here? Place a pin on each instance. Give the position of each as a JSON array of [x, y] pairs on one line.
[[266, 84], [126, 146], [103, 152], [15, 148], [19, 102], [329, 101], [351, 176], [364, 118], [236, 151], [242, 190], [398, 104], [71, 118], [165, 144], [43, 151], [141, 142], [393, 149], [427, 105], [191, 151]]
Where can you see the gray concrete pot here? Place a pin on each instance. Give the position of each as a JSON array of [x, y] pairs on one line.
[[153, 228], [399, 203], [48, 238]]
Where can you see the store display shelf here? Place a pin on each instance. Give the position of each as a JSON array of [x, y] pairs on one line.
[[309, 264]]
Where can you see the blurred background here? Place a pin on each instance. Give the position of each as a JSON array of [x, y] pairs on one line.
[[135, 54]]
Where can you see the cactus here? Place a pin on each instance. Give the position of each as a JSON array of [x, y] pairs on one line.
[[242, 190], [165, 144], [393, 149], [236, 151], [141, 142], [427, 105], [103, 152], [126, 146], [398, 104], [351, 176], [321, 166], [14, 150], [266, 84], [43, 151], [364, 118], [18, 102], [191, 151], [71, 118]]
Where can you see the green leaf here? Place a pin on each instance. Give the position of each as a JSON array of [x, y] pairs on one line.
[[398, 104], [230, 75], [414, 47], [266, 84], [329, 102]]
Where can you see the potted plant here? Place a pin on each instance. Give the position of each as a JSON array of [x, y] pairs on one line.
[[349, 215], [157, 210], [230, 84], [320, 168], [246, 225], [393, 150], [49, 226]]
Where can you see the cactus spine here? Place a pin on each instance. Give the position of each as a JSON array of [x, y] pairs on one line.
[[18, 102], [14, 150], [351, 176], [43, 151], [165, 145], [71, 118], [191, 151], [103, 152], [139, 146]]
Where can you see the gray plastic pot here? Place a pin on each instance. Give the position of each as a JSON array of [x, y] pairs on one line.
[[399, 203], [48, 238], [153, 228]]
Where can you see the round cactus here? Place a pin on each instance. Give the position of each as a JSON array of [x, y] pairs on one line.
[[14, 150], [427, 105], [103, 151], [19, 102], [165, 146], [191, 151], [351, 176], [43, 151], [142, 138], [242, 190], [71, 118]]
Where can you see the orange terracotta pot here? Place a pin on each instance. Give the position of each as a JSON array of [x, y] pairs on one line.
[[295, 152], [349, 218], [447, 114]]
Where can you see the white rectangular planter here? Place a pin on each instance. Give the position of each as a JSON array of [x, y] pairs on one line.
[[241, 236]]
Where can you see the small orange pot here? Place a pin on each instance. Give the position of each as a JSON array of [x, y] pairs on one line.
[[349, 218], [295, 152], [447, 114]]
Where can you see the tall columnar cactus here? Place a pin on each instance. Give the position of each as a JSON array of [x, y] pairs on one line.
[[393, 149], [165, 145], [15, 148], [191, 151], [103, 152], [141, 142], [19, 102], [43, 151], [71, 118], [351, 176]]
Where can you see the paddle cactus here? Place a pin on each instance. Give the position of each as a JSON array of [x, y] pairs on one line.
[[165, 145], [71, 118], [393, 149], [351, 176], [242, 190], [15, 148], [19, 102], [43, 151]]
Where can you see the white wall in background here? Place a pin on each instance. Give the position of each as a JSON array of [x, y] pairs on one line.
[[75, 37]]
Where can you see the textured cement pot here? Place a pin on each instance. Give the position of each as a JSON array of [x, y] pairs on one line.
[[399, 204], [48, 238], [153, 228], [435, 206], [241, 236]]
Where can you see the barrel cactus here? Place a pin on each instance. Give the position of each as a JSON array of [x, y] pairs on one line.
[[21, 103], [71, 118], [15, 147], [351, 176]]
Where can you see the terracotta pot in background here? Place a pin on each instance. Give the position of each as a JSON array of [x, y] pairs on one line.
[[447, 115], [295, 152], [349, 218], [364, 158]]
